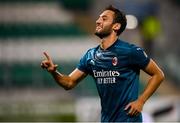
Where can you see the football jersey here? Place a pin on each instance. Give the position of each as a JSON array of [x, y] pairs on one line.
[[116, 73]]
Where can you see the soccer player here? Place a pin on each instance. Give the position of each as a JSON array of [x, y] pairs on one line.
[[115, 66]]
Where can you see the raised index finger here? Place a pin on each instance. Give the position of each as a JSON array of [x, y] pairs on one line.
[[47, 56]]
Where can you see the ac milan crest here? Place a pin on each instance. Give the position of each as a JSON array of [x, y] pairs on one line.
[[114, 61]]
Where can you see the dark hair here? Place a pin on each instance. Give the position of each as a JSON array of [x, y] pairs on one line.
[[119, 17]]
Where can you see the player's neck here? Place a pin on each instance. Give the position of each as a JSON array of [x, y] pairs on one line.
[[108, 41]]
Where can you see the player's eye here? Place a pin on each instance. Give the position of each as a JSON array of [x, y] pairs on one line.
[[104, 18]]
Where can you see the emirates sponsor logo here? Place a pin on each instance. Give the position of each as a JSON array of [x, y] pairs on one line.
[[103, 73], [106, 77]]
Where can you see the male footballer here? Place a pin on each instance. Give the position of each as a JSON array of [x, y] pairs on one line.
[[115, 66]]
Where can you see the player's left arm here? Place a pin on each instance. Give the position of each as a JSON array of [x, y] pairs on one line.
[[157, 76]]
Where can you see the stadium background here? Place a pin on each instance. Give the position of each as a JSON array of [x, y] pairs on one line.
[[64, 28]]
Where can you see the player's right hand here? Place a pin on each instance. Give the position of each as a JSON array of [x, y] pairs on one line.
[[48, 64]]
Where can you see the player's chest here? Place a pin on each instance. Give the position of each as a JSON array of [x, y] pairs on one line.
[[108, 61]]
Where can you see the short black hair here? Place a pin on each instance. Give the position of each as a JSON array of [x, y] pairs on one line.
[[119, 17]]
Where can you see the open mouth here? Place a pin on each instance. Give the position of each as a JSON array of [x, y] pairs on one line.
[[98, 28]]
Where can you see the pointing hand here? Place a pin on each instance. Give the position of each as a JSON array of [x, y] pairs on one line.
[[48, 63]]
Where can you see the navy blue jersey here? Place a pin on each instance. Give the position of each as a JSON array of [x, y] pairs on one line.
[[116, 73]]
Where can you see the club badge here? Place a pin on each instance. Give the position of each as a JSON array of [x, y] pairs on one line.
[[114, 61]]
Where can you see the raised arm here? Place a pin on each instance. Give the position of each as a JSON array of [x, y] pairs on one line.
[[66, 81]]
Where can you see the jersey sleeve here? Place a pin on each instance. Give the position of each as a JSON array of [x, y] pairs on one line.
[[82, 65], [139, 58]]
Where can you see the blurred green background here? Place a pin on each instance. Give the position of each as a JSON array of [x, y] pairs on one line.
[[64, 28]]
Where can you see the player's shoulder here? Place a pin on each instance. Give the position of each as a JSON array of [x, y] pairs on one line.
[[127, 45], [91, 50], [124, 46]]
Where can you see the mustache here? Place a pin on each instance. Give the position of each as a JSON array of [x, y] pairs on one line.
[[98, 24]]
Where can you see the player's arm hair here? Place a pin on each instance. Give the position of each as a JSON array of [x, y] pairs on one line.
[[68, 81], [157, 76]]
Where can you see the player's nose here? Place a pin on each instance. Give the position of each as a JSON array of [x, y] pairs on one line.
[[98, 21]]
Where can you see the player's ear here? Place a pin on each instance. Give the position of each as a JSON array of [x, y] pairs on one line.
[[116, 26]]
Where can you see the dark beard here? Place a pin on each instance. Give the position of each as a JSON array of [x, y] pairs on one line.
[[102, 35]]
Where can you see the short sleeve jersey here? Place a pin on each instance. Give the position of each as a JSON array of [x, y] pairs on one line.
[[116, 73]]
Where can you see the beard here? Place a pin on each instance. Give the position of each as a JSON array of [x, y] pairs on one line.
[[104, 33]]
